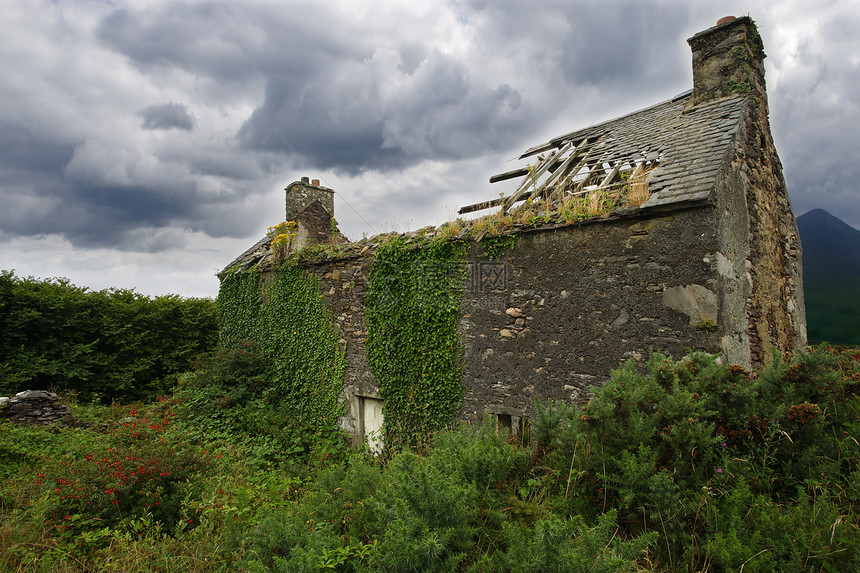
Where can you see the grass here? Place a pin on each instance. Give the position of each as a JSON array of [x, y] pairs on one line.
[[630, 190], [691, 466]]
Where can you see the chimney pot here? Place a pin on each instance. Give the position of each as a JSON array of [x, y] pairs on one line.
[[305, 180], [315, 182], [724, 20]]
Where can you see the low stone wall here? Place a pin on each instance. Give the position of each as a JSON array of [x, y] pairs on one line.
[[35, 407]]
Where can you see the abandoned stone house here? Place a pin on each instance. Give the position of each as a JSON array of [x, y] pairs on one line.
[[707, 258]]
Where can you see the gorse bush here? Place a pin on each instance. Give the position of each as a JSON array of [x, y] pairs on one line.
[[692, 449], [433, 513], [570, 546]]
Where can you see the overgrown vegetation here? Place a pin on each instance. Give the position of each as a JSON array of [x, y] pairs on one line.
[[576, 204], [690, 466], [412, 309], [113, 344], [293, 333]]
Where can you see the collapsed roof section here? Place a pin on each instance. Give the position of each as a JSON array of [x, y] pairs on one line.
[[678, 149]]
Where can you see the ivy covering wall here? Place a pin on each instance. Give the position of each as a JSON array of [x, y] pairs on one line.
[[284, 313], [412, 309]]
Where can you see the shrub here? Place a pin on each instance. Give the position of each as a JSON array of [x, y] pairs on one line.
[[479, 454], [137, 470], [230, 395], [689, 440], [569, 546], [115, 344]]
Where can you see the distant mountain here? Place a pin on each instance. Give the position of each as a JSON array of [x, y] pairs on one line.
[[831, 277]]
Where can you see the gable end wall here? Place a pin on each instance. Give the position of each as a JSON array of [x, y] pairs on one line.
[[775, 309]]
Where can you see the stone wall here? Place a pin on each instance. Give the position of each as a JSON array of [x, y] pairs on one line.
[[757, 225], [343, 284], [567, 305], [35, 407], [777, 316], [712, 266]]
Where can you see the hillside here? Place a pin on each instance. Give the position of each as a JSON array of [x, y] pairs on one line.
[[831, 277]]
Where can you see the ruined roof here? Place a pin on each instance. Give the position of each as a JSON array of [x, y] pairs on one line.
[[686, 148], [260, 254], [253, 256], [683, 147]]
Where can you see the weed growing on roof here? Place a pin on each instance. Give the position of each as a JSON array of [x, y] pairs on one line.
[[282, 237], [635, 184]]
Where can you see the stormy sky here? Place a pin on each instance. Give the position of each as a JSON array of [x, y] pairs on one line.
[[146, 143]]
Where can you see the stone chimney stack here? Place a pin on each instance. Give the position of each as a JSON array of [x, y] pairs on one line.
[[311, 207], [302, 194], [728, 59]]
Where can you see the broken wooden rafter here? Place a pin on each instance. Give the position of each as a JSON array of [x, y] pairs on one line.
[[608, 179], [509, 175], [541, 168], [486, 204], [566, 174], [520, 172], [541, 148], [580, 156]]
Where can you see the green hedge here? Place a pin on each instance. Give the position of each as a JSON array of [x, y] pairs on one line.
[[114, 343]]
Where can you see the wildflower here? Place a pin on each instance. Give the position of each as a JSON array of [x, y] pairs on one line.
[[719, 470]]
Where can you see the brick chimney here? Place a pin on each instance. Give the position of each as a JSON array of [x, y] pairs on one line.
[[728, 59], [311, 206]]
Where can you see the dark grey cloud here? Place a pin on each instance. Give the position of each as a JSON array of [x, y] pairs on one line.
[[814, 114], [23, 149], [341, 120], [588, 43], [232, 42], [151, 122], [325, 98], [88, 214], [167, 116], [45, 191], [635, 43]]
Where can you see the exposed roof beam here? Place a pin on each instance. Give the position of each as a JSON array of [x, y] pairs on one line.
[[486, 204], [509, 175]]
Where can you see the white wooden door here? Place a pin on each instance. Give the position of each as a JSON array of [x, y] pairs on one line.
[[371, 417]]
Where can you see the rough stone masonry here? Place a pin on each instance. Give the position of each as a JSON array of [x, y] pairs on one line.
[[35, 407], [710, 261]]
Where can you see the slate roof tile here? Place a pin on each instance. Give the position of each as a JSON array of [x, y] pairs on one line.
[[691, 145]]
